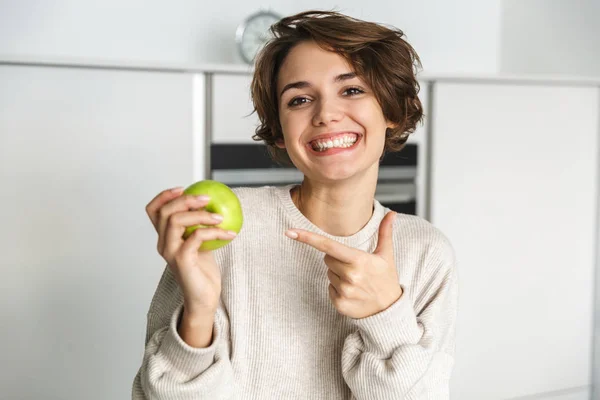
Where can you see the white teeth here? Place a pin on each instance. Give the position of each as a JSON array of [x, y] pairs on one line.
[[340, 142]]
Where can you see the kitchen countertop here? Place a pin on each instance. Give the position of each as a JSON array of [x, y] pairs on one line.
[[242, 69]]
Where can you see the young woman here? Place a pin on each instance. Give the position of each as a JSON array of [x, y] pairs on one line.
[[325, 293]]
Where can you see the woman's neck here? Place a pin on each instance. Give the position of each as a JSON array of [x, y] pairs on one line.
[[341, 209]]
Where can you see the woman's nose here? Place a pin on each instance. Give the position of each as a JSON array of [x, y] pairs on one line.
[[326, 112]]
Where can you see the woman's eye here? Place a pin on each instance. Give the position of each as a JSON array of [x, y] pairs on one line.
[[298, 101], [353, 91]]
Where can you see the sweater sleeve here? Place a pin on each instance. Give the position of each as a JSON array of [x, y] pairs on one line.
[[171, 369], [397, 354]]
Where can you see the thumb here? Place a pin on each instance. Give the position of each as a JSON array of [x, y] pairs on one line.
[[385, 245]]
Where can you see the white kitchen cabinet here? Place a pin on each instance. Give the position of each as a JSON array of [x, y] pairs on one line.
[[514, 186], [232, 118], [82, 151]]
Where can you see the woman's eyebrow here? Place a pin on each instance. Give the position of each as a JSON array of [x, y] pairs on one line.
[[294, 85], [303, 84], [345, 77]]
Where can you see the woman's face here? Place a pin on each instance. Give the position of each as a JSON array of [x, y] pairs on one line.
[[333, 126]]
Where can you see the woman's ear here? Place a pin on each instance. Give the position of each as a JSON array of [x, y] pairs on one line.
[[280, 143]]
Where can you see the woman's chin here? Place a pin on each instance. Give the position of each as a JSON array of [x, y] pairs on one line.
[[333, 175]]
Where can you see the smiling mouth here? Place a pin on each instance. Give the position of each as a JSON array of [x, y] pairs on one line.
[[341, 141]]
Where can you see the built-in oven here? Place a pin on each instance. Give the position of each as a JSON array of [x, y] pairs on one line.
[[249, 164]]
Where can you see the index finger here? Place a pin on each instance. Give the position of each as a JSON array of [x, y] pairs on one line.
[[328, 246], [160, 200]]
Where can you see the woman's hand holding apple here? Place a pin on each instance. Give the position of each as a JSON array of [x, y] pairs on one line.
[[196, 272]]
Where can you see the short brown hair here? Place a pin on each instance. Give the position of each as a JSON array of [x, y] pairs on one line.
[[378, 54]]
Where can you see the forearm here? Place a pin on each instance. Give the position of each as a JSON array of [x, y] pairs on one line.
[[196, 329]]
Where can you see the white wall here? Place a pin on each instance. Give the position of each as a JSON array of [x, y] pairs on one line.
[[451, 36], [550, 37]]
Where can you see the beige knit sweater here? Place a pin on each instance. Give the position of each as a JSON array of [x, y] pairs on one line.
[[277, 335]]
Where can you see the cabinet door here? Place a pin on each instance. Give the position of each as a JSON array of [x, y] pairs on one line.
[[514, 186], [232, 117], [82, 152]]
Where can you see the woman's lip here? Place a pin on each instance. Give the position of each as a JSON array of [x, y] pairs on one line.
[[333, 150], [333, 135]]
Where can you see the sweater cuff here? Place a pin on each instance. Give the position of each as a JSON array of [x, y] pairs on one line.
[[391, 328], [187, 360]]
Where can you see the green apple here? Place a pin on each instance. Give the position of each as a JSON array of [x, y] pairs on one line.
[[223, 201]]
